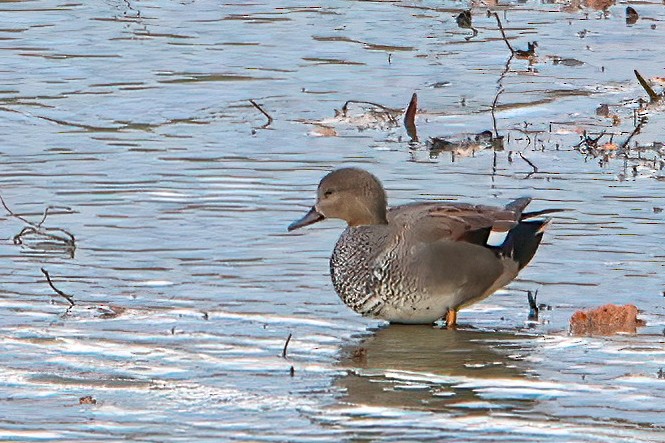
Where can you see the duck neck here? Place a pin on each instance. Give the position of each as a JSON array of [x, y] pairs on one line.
[[370, 218]]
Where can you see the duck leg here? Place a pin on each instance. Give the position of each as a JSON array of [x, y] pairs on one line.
[[451, 319]]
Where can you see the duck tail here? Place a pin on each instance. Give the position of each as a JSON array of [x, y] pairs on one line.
[[523, 240], [519, 205]]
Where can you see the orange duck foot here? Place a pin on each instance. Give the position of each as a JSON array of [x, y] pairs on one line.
[[451, 319]]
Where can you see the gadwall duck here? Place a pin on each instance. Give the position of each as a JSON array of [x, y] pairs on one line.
[[419, 262]]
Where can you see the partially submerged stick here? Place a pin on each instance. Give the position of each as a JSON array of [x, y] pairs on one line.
[[37, 228], [286, 345], [493, 109], [636, 131], [410, 118], [47, 213], [262, 111], [653, 96], [535, 168], [67, 297], [503, 33]]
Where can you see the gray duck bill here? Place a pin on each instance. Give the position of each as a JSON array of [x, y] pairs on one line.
[[311, 217]]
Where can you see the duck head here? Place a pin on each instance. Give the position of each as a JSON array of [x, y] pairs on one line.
[[350, 194]]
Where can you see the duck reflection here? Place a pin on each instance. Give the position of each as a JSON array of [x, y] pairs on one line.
[[433, 369]]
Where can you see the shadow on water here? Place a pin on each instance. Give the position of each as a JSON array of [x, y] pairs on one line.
[[482, 384], [431, 369]]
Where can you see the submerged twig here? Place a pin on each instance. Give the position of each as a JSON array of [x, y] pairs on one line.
[[589, 145], [262, 111], [38, 229], [535, 168], [410, 118], [70, 241], [68, 297], [286, 345], [636, 131]]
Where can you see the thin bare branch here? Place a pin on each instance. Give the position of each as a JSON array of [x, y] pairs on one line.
[[262, 111], [503, 33], [535, 168], [57, 234], [286, 345], [493, 110], [24, 220], [49, 208], [636, 131], [68, 297]]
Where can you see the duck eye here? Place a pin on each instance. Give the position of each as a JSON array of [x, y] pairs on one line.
[[328, 193]]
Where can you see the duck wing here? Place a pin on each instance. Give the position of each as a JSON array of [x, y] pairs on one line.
[[429, 222]]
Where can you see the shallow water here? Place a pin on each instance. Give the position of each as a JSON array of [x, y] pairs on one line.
[[136, 116]]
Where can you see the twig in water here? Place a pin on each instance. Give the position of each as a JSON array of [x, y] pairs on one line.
[[36, 228], [16, 215], [589, 146], [535, 168], [493, 166], [503, 33], [493, 110], [286, 345], [636, 131], [499, 91], [410, 118], [653, 96], [262, 111], [70, 241], [68, 297], [46, 213]]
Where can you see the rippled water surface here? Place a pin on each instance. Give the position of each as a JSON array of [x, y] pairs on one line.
[[132, 118]]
